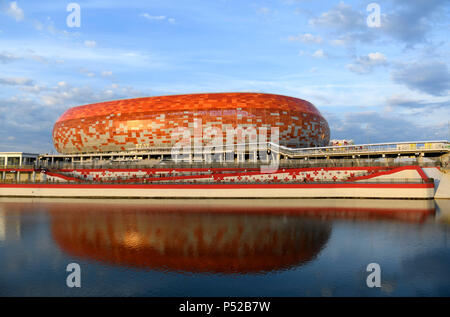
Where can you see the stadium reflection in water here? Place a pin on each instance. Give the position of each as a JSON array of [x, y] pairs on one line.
[[213, 237], [168, 238]]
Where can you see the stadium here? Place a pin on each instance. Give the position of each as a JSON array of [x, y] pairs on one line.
[[157, 122], [219, 145]]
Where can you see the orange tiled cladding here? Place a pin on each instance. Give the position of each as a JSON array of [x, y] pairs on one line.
[[123, 124]]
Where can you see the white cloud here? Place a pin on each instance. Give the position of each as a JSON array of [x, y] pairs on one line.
[[263, 10], [306, 38], [152, 17], [341, 17], [157, 17], [407, 101], [17, 81], [36, 89], [90, 44], [14, 11], [407, 21], [319, 54], [431, 77], [38, 25], [371, 126], [411, 21], [87, 72], [48, 26], [106, 73], [64, 95], [58, 52], [38, 58], [377, 58], [365, 64], [6, 57], [340, 41]]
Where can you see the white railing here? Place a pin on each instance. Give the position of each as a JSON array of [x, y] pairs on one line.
[[419, 146]]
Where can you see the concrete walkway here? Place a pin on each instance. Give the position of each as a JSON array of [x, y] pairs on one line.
[[443, 191]]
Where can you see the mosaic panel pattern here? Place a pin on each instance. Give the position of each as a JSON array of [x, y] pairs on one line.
[[174, 175], [151, 122]]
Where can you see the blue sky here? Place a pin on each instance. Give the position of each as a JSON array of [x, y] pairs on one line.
[[388, 83]]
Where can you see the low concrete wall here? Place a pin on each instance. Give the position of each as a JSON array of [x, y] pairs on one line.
[[441, 182], [399, 191], [443, 191], [253, 187]]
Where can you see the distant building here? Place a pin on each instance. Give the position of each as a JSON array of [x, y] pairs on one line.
[[341, 142], [17, 159]]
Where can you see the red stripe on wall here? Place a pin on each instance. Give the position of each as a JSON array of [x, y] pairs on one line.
[[215, 186], [392, 171], [421, 173]]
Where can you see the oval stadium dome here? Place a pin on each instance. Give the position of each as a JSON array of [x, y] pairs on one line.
[[123, 125]]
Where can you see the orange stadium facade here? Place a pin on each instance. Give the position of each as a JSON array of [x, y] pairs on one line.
[[124, 125]]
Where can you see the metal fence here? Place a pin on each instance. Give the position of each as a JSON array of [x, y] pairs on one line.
[[200, 182], [280, 164]]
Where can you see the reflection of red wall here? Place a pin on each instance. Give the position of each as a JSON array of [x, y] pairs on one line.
[[122, 124], [398, 213]]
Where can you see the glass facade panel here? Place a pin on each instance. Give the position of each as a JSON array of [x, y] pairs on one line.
[[13, 161]]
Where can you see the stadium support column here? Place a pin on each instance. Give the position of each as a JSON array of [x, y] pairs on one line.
[[444, 160], [207, 157], [221, 155], [389, 161], [420, 159], [355, 159], [18, 171]]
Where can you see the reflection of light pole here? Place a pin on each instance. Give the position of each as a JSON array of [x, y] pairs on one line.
[[368, 141]]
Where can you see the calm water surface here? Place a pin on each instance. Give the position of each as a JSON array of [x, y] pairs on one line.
[[224, 247]]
